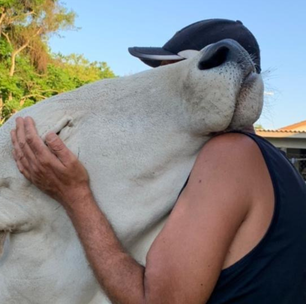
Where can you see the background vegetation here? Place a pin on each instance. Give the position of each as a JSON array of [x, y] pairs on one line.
[[29, 71]]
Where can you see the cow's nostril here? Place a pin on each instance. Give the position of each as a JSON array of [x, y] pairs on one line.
[[213, 57]]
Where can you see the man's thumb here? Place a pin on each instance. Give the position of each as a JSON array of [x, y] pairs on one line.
[[58, 148], [51, 137], [54, 143]]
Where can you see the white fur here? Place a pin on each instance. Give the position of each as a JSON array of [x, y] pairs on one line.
[[138, 137]]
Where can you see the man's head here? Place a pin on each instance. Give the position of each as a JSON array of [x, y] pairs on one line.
[[195, 37]]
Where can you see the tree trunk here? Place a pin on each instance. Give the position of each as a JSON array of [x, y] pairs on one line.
[[1, 107], [13, 64]]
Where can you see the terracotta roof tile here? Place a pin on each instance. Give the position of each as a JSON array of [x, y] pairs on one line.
[[295, 126], [280, 131]]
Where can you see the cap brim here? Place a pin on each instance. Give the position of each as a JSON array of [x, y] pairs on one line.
[[153, 56]]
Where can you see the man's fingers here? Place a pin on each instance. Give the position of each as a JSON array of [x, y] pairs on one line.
[[20, 132], [22, 169], [21, 140], [32, 139], [30, 149], [57, 146], [18, 154]]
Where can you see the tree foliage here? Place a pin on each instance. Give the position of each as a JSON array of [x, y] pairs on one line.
[[29, 72], [258, 127]]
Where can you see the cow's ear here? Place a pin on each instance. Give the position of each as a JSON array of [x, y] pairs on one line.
[[17, 208]]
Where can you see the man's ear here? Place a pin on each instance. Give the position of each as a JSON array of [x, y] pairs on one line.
[[188, 53]]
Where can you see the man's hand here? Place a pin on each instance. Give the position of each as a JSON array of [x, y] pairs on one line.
[[52, 167]]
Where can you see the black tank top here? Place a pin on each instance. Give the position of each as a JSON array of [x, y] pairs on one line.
[[274, 272]]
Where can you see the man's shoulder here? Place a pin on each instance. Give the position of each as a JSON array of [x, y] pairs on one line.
[[229, 163], [229, 149]]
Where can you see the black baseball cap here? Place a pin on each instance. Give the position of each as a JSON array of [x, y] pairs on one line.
[[195, 37]]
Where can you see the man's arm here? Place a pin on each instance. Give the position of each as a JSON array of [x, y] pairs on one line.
[[187, 257]]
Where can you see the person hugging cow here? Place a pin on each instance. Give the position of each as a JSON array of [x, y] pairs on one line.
[[237, 233]]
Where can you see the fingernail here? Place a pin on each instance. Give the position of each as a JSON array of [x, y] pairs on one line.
[[51, 137]]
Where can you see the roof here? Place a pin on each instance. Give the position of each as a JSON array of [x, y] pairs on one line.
[[297, 130], [281, 133], [299, 126]]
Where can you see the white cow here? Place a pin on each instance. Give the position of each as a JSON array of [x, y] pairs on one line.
[[138, 137]]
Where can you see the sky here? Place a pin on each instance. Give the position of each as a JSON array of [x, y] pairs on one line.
[[107, 28]]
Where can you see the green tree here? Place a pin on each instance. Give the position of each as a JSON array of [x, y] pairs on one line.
[[27, 24], [75, 70], [29, 72], [258, 127]]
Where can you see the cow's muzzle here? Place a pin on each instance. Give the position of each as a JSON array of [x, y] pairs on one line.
[[225, 51]]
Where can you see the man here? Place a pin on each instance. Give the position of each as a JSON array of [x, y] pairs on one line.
[[236, 235]]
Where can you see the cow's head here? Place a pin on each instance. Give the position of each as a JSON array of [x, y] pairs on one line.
[[223, 91]]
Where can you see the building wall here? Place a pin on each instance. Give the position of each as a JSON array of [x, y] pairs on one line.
[[295, 149], [287, 142]]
